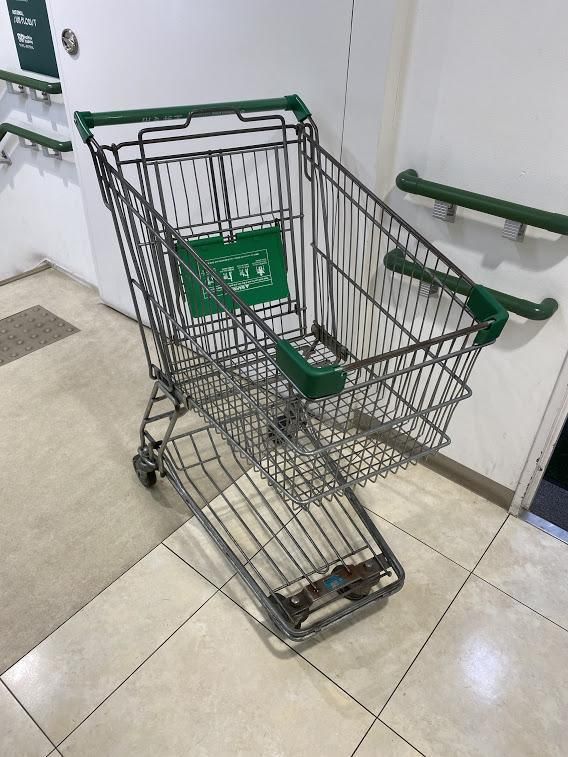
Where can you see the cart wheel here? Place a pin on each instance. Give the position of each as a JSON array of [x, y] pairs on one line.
[[355, 595], [146, 477], [298, 618], [354, 591]]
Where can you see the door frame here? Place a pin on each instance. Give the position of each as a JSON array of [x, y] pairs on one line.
[[554, 418]]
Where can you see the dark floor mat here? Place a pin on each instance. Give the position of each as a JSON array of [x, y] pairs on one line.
[[30, 330], [551, 503]]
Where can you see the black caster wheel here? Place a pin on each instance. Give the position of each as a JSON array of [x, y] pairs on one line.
[[355, 591], [298, 616], [146, 477], [355, 595]]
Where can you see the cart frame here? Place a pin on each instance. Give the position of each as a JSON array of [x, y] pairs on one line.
[[317, 408]]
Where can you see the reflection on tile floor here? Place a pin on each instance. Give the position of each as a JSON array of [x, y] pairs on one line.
[[492, 680], [531, 566], [175, 658]]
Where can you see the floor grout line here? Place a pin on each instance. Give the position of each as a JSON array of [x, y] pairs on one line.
[[470, 573], [222, 557], [400, 737], [532, 609], [364, 737], [144, 661], [298, 653], [489, 545], [63, 622], [393, 692], [451, 559], [185, 562], [9, 690]]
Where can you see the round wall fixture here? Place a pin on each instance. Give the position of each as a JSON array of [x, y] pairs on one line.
[[70, 41]]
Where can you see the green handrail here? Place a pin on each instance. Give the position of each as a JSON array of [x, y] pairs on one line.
[[50, 87], [395, 260], [409, 181], [34, 136]]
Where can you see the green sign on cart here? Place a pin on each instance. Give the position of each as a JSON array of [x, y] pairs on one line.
[[32, 35], [253, 266]]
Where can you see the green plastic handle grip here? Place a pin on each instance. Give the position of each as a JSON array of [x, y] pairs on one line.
[[85, 120], [409, 181], [395, 260], [51, 87], [315, 382], [34, 136]]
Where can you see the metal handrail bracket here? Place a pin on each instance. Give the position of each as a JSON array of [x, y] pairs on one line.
[[40, 89], [429, 279], [517, 217], [52, 147]]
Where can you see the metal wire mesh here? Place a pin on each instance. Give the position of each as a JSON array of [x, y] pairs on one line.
[[277, 550], [408, 358]]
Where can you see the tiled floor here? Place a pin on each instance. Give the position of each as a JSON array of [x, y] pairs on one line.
[[174, 657], [166, 662], [76, 517]]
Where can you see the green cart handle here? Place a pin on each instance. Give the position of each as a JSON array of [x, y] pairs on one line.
[[85, 120], [395, 260]]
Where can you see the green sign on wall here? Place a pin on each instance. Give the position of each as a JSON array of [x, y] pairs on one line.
[[32, 36]]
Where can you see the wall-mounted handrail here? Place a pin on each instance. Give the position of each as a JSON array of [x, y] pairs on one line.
[[49, 87], [409, 181], [57, 145], [395, 260]]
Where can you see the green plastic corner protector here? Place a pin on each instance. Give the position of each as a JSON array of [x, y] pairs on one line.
[[314, 382], [486, 307], [253, 266]]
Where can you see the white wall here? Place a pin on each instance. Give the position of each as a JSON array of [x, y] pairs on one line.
[[207, 51], [41, 209], [481, 107]]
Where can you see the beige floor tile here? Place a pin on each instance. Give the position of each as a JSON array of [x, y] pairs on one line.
[[19, 735], [246, 514], [439, 512], [222, 685], [368, 654], [64, 678], [382, 742], [492, 680], [531, 566], [76, 517]]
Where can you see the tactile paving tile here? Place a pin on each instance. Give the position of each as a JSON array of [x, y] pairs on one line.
[[30, 330]]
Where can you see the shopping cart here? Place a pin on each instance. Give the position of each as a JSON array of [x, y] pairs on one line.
[[255, 260]]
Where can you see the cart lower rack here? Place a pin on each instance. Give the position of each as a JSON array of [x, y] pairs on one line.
[[255, 259]]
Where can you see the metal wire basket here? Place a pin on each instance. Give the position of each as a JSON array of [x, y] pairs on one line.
[[256, 259]]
